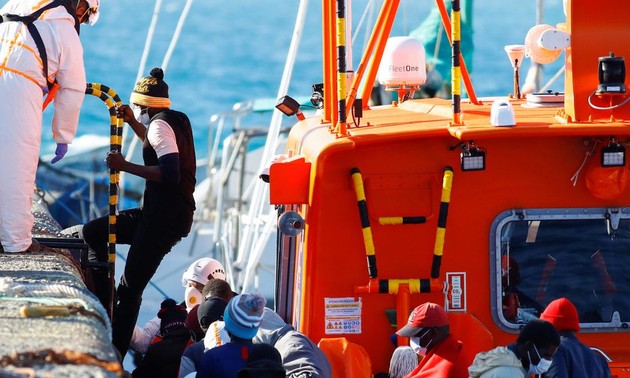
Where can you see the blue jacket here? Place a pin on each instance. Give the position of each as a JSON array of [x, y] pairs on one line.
[[191, 359], [224, 361], [575, 360]]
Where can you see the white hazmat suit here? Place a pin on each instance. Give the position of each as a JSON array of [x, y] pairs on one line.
[[22, 85]]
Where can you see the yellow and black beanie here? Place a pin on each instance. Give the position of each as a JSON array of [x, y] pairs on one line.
[[151, 91]]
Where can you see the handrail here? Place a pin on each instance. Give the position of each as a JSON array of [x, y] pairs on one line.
[[112, 100], [368, 241], [438, 250], [340, 128], [464, 71]]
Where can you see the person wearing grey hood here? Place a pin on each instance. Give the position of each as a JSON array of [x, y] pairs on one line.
[[300, 356], [531, 354]]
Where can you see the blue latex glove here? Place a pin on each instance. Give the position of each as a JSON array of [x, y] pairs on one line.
[[60, 152]]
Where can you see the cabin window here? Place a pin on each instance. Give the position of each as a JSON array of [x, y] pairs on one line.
[[543, 254]]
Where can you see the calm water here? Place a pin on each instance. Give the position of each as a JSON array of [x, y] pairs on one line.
[[231, 51]]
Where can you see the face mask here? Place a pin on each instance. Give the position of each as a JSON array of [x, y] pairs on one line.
[[414, 343], [141, 115], [193, 297], [542, 366]]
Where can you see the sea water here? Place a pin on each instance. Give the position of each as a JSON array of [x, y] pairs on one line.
[[232, 51]]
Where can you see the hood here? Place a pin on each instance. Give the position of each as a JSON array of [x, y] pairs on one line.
[[26, 7], [500, 356], [272, 328]]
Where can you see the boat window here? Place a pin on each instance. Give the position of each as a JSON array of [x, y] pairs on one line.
[[543, 254]]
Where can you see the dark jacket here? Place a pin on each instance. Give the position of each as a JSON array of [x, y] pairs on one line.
[[575, 360], [163, 357], [191, 359]]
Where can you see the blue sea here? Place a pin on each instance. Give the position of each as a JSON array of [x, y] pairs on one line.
[[232, 51]]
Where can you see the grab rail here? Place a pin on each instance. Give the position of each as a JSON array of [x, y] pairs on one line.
[[112, 100]]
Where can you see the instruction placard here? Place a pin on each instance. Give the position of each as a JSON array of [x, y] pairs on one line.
[[342, 315], [457, 293]]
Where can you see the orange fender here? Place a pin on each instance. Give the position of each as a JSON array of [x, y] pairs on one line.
[[347, 359]]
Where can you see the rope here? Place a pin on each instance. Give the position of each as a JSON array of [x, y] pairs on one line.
[[55, 295], [576, 175], [61, 357]]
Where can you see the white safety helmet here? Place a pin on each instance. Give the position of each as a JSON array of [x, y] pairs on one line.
[[201, 271]]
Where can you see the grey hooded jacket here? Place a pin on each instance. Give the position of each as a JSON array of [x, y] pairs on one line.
[[300, 356], [499, 362]]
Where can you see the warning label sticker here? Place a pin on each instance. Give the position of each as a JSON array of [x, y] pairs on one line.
[[342, 315], [456, 298]]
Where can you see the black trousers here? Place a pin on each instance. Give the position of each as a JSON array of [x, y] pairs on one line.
[[149, 240]]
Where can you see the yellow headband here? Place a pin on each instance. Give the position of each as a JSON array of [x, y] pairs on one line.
[[150, 101]]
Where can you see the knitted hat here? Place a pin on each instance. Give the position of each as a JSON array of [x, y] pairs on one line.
[[172, 315], [192, 324], [426, 315], [562, 314], [151, 91], [210, 310], [243, 314]]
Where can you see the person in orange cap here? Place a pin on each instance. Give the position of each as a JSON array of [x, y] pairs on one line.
[[573, 359], [428, 330]]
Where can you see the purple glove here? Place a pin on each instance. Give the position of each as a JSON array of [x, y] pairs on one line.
[[60, 152]]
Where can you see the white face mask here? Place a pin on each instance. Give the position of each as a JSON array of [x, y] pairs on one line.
[[414, 343], [542, 366], [141, 115], [193, 297]]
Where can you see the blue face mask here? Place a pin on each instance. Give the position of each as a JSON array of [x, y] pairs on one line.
[[542, 366]]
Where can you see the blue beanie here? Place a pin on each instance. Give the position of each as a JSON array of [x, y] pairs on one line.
[[243, 314]]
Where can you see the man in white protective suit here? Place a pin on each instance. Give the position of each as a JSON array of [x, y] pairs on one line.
[[40, 54]]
